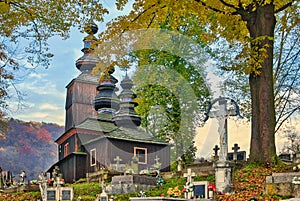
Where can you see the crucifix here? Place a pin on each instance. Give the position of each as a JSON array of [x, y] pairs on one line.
[[235, 149], [216, 149], [221, 108]]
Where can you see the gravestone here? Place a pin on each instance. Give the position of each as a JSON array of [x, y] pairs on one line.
[[179, 164], [57, 192], [189, 183], [241, 156], [60, 194], [122, 184], [200, 189]]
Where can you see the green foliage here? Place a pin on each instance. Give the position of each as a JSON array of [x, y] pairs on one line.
[[87, 189]]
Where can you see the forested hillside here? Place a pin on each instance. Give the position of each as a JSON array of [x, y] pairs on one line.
[[29, 146]]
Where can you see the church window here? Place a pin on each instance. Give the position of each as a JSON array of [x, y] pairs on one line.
[[66, 149], [141, 155], [93, 157]]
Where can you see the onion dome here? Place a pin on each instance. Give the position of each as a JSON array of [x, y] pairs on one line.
[[88, 61], [126, 116], [106, 101]]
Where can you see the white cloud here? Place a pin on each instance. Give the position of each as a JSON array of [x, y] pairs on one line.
[[37, 75], [47, 106]]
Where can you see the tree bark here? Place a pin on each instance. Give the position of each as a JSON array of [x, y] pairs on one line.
[[261, 22]]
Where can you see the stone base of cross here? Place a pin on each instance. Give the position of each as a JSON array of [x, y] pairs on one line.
[[223, 174]]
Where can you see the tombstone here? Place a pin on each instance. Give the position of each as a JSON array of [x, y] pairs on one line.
[[60, 193], [179, 164], [134, 164], [200, 189], [240, 156], [189, 183], [22, 177], [66, 193]]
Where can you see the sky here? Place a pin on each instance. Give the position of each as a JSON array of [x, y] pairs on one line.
[[45, 93]]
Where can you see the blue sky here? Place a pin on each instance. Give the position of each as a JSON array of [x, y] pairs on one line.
[[44, 89]]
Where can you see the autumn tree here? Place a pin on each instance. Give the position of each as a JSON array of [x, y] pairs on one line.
[[285, 69], [251, 24], [26, 26]]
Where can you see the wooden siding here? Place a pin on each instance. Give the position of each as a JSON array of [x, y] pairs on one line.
[[79, 103], [108, 149]]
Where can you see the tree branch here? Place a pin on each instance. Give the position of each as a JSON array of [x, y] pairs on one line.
[[228, 5], [209, 7], [284, 7]]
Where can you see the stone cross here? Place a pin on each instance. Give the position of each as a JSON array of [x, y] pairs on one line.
[[118, 160], [221, 116], [216, 149], [235, 149], [189, 175], [189, 183], [156, 160]]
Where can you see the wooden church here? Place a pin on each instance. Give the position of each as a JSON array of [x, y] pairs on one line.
[[101, 128]]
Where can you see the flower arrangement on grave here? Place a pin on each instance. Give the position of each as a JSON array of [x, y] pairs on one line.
[[160, 182], [189, 187], [174, 192]]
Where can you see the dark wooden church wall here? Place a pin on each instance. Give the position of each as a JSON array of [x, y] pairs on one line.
[[79, 102], [102, 155], [71, 141], [73, 168], [125, 150]]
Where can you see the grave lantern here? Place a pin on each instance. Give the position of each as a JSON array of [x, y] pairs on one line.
[[103, 196]]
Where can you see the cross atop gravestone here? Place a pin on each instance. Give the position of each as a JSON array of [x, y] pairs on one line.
[[157, 164], [189, 175], [189, 183], [118, 160], [157, 160], [235, 149], [216, 149]]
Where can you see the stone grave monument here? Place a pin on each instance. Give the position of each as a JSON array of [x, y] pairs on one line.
[[189, 186], [57, 192], [224, 108]]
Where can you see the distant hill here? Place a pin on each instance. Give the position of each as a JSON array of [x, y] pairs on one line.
[[29, 146]]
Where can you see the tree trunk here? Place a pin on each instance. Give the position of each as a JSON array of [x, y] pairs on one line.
[[262, 147]]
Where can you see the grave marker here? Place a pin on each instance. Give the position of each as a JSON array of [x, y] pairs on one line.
[[216, 149], [235, 149], [201, 189], [189, 183]]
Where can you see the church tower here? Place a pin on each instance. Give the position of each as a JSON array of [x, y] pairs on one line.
[[82, 90]]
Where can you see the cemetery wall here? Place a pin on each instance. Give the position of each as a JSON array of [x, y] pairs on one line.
[[202, 169]]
